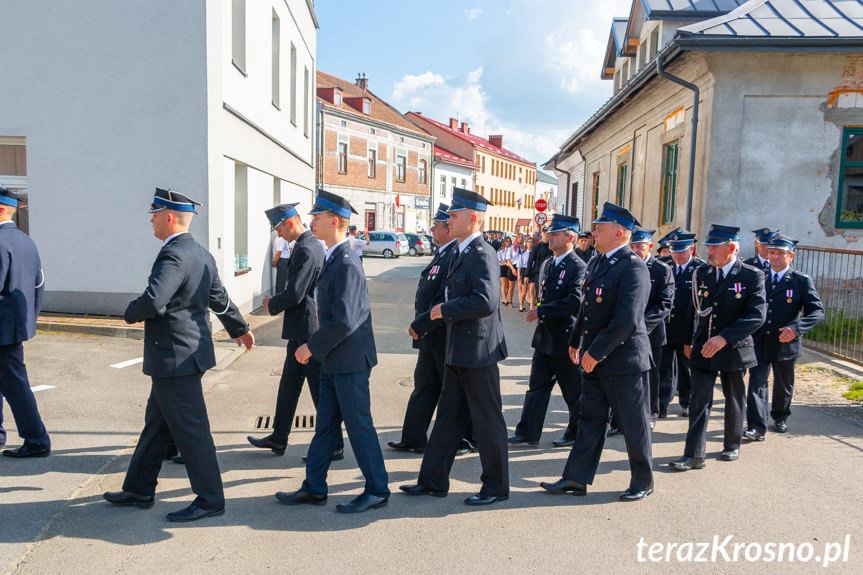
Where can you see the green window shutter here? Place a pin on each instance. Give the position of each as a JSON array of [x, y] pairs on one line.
[[849, 200], [669, 182]]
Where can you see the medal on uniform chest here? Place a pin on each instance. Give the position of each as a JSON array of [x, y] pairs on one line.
[[737, 289], [433, 273], [560, 277], [599, 295], [790, 295]]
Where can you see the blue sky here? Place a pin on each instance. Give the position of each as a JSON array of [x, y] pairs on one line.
[[528, 69]]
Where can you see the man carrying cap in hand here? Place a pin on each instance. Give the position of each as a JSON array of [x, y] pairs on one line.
[[300, 320], [178, 348]]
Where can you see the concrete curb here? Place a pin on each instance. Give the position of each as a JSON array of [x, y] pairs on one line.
[[136, 333], [846, 368]]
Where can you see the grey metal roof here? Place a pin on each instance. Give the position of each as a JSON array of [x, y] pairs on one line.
[[670, 9], [784, 18], [618, 32], [543, 177]]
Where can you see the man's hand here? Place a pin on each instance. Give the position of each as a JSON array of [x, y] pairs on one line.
[[588, 363], [532, 315], [247, 339], [437, 312], [713, 345], [413, 333], [787, 334], [573, 355], [303, 354], [687, 351], [276, 259]]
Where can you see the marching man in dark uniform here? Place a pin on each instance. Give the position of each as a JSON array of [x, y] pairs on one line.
[[658, 309], [664, 251], [585, 249], [344, 344], [178, 348], [297, 301], [793, 308], [430, 339], [762, 239], [729, 307], [22, 285], [610, 343], [559, 299], [674, 375], [474, 345]]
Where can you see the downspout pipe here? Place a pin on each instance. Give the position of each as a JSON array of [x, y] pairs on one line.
[[697, 94]]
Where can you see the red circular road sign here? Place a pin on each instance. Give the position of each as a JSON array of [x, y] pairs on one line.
[[540, 205], [540, 218]]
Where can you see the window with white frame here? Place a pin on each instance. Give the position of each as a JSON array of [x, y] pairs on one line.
[[238, 34], [443, 186], [275, 59], [293, 84]]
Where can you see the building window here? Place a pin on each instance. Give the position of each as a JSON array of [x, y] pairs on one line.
[[275, 60], [373, 162], [367, 107], [620, 196], [372, 131], [443, 186], [669, 182], [337, 98], [307, 118], [343, 157], [241, 218], [850, 201], [654, 41], [595, 195], [293, 84], [401, 168], [238, 34], [277, 191], [422, 171], [401, 140], [464, 183], [343, 124]]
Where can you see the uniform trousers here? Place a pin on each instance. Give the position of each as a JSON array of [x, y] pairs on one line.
[[674, 376], [176, 409], [625, 396], [345, 396], [734, 391], [468, 394], [15, 387], [290, 388], [653, 383], [783, 390], [544, 371]]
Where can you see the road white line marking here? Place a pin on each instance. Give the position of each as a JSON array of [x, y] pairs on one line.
[[123, 364], [42, 388]]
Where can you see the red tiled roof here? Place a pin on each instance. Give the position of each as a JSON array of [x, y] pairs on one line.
[[380, 110], [446, 156], [476, 141]]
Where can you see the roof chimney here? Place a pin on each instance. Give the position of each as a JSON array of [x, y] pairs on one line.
[[362, 81], [453, 123], [465, 128], [496, 140]]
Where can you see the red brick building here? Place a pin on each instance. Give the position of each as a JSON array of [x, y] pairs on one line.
[[373, 156]]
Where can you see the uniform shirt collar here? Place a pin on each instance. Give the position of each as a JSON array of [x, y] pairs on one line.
[[761, 261], [559, 259], [467, 241], [446, 245], [610, 253], [780, 273], [727, 267], [680, 268], [330, 250], [171, 237]]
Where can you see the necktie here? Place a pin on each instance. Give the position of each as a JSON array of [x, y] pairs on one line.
[[775, 279], [679, 271], [455, 259], [766, 264], [720, 276]]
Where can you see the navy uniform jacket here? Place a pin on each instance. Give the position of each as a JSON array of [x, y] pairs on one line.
[[22, 285], [678, 325], [344, 342], [537, 255], [585, 255], [472, 310], [183, 284], [660, 300], [610, 323], [430, 292], [756, 263], [734, 318], [298, 299], [801, 313], [560, 299]]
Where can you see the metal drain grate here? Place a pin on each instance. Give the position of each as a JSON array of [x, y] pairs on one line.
[[264, 422]]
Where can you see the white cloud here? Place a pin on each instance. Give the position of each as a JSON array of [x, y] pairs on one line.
[[473, 13]]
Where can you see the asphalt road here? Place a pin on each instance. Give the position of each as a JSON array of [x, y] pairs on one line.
[[802, 488]]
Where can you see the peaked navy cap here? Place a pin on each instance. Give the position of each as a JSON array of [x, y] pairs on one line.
[[683, 242], [9, 198], [764, 235], [560, 222], [442, 214], [642, 236], [280, 213], [330, 202], [719, 235], [467, 200], [169, 199], [782, 242], [614, 214]]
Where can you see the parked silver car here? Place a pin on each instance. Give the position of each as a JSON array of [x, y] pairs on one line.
[[387, 244]]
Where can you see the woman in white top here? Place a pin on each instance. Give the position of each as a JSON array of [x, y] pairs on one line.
[[523, 289], [507, 271]]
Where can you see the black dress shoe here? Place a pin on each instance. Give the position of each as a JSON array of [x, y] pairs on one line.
[[268, 443], [519, 439], [178, 459], [129, 499], [171, 451], [194, 512], [635, 494], [27, 450], [480, 499], [563, 441], [687, 463], [562, 486], [402, 446], [612, 431], [730, 455], [301, 497], [663, 412], [466, 446], [781, 427], [421, 490], [753, 435], [362, 503], [684, 412], [338, 455]]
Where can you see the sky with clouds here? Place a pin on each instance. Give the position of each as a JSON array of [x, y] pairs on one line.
[[527, 69]]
